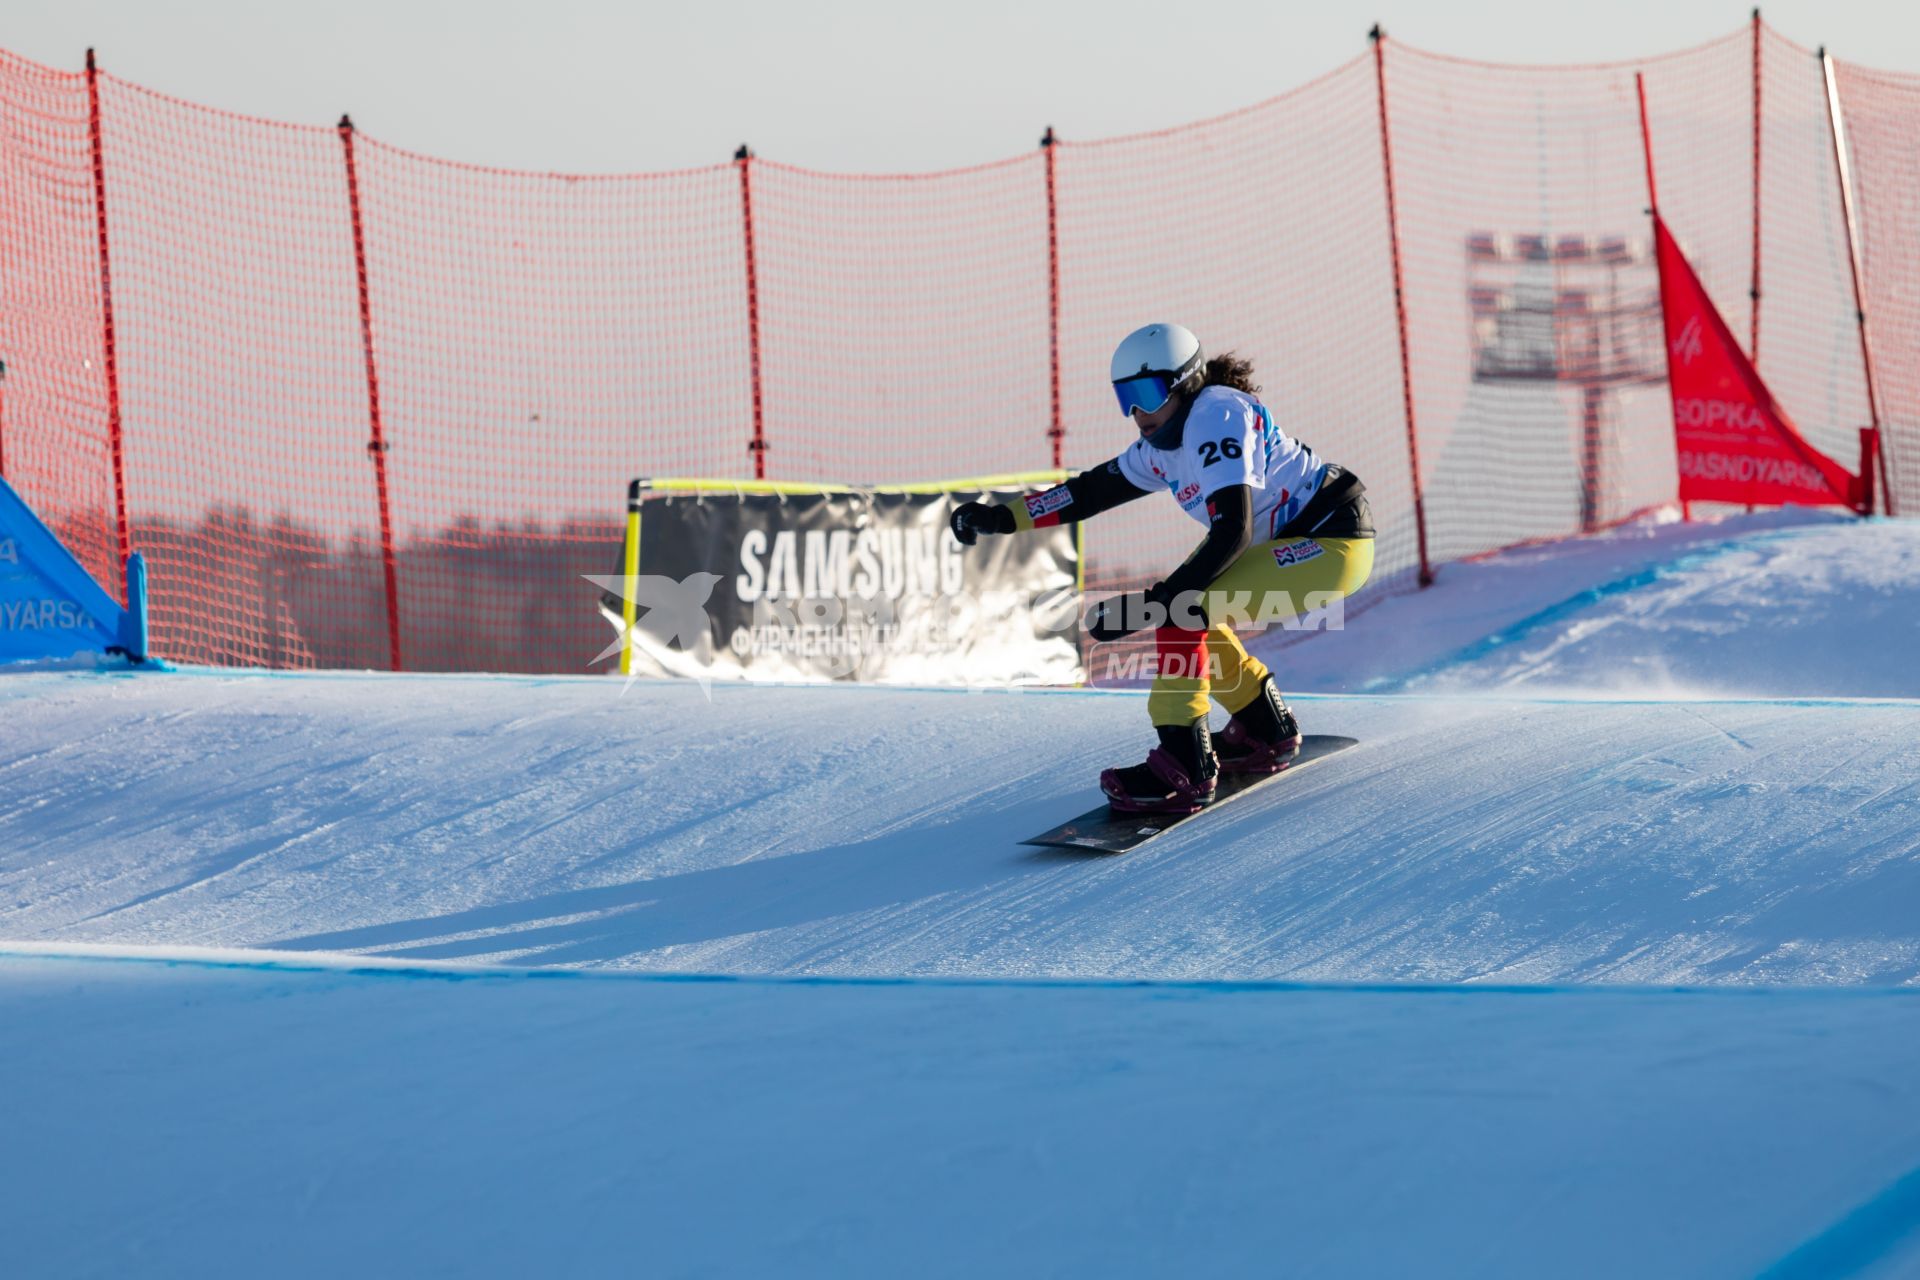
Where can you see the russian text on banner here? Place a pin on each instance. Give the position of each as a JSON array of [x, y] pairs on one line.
[[1735, 442]]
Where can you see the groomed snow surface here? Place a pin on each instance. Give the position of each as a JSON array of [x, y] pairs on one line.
[[1599, 956]]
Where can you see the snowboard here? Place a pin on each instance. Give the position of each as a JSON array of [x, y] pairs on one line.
[[1101, 830]]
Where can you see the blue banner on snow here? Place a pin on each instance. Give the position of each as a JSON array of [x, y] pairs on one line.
[[50, 607]]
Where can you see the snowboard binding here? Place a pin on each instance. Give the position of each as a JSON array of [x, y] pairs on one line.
[[1177, 777], [1262, 737]]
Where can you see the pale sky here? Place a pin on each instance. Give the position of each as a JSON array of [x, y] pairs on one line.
[[584, 86]]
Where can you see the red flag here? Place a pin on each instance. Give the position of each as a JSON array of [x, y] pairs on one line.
[[1736, 443]]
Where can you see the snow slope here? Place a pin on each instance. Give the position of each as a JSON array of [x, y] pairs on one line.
[[875, 831], [1783, 603], [169, 1120], [1674, 756]]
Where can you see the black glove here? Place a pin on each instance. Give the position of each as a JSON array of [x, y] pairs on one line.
[[971, 519]]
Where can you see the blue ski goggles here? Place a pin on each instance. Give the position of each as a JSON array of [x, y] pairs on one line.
[[1147, 393]]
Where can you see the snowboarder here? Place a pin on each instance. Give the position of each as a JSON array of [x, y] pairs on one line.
[[1282, 527]]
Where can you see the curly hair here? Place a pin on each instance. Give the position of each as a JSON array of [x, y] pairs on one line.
[[1230, 370]]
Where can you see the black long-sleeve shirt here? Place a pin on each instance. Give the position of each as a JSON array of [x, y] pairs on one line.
[[1102, 488]]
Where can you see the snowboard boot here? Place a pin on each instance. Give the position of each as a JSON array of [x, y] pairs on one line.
[[1177, 777], [1262, 737]]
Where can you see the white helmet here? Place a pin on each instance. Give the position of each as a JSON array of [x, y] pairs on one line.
[[1151, 363]]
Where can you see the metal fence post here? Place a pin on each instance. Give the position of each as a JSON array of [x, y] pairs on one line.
[[377, 444], [1379, 37], [1753, 285], [744, 159], [1057, 432], [1837, 126], [115, 442]]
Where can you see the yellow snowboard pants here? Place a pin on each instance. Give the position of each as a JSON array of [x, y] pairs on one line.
[[1271, 583]]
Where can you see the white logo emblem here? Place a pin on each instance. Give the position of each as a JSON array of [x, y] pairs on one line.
[[1690, 342]]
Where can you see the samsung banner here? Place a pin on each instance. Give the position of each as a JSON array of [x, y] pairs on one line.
[[846, 585]]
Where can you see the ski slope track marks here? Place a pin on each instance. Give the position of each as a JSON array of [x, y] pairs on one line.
[[1599, 955], [868, 831]]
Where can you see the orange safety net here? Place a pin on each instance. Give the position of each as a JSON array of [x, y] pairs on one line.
[[540, 340], [375, 403], [1532, 293], [1809, 333], [903, 322], [54, 445], [241, 387], [1265, 232], [1882, 115]]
